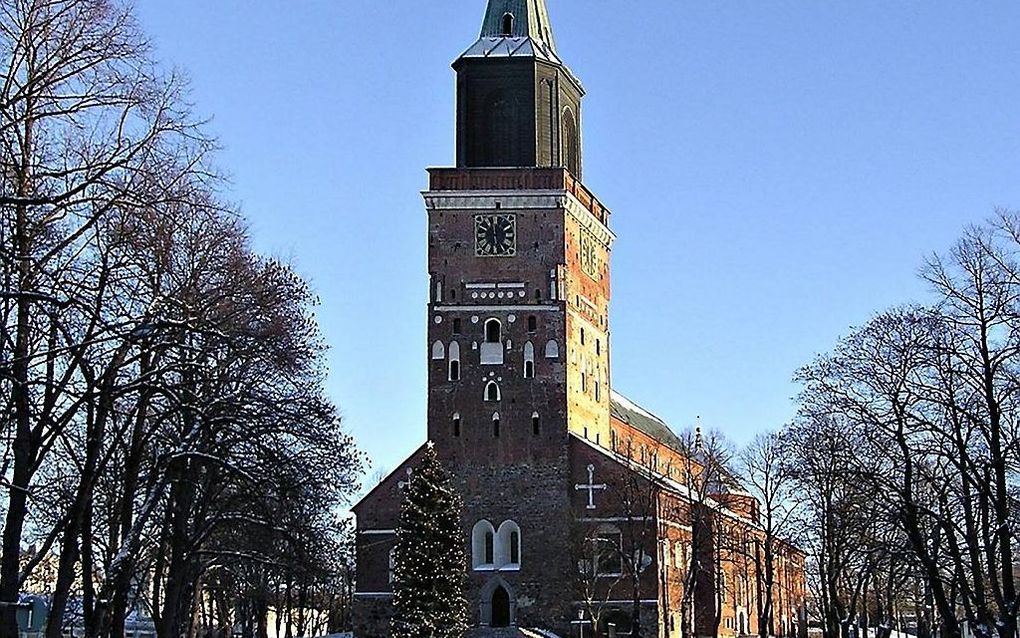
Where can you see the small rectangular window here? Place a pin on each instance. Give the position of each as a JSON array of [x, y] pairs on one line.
[[456, 326], [609, 553]]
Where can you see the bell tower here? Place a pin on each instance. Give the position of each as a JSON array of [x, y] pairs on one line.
[[518, 327], [518, 105]]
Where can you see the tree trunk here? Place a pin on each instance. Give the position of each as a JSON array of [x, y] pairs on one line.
[[81, 506], [25, 442]]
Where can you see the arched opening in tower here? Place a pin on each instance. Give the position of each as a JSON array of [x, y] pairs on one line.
[[571, 152], [500, 607]]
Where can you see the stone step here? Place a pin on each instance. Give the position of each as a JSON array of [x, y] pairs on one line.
[[508, 632]]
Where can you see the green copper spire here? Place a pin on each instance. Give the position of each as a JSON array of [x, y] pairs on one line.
[[519, 19]]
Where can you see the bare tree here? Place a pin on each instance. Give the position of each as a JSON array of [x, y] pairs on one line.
[[766, 472], [705, 479], [917, 409], [84, 116], [165, 424]]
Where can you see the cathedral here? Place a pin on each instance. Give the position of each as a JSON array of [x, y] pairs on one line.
[[584, 513]]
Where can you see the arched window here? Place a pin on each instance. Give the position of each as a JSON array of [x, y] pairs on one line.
[[532, 322], [552, 351], [454, 366], [538, 294], [571, 150], [456, 424], [492, 391], [529, 360], [493, 331], [508, 545], [482, 545], [515, 547], [438, 350], [495, 424], [508, 24], [536, 424]]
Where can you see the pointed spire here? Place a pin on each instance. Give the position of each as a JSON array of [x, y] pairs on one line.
[[519, 19]]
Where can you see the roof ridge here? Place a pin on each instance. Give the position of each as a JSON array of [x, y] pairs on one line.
[[629, 403]]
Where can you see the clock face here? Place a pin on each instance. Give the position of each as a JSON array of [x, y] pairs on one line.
[[590, 262], [495, 235]]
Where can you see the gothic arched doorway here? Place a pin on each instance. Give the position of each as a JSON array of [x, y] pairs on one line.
[[500, 607], [497, 604]]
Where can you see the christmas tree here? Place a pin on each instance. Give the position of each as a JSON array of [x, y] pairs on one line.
[[429, 560]]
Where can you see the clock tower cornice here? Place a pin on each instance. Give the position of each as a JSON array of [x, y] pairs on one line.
[[473, 201], [519, 189]]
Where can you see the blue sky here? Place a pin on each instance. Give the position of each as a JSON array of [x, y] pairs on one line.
[[777, 172]]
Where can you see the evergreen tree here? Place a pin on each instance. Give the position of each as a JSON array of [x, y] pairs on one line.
[[430, 561]]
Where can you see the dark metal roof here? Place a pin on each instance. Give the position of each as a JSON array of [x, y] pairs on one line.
[[631, 413], [530, 34], [506, 47]]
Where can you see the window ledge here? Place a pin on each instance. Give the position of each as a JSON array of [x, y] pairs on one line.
[[489, 567]]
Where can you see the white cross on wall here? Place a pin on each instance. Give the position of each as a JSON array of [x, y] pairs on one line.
[[591, 487]]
